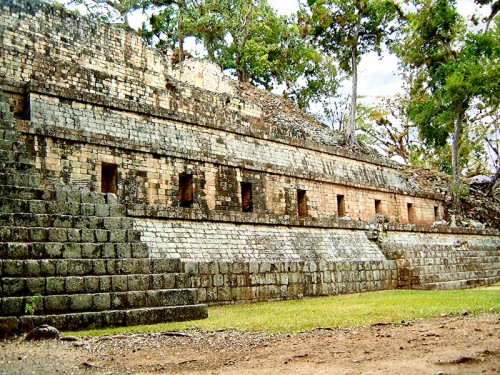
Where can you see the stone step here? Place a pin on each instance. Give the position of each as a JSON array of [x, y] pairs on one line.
[[65, 303], [87, 267], [41, 207], [20, 179], [31, 220], [459, 284], [71, 250], [62, 235], [23, 192], [26, 287], [100, 319], [61, 194]]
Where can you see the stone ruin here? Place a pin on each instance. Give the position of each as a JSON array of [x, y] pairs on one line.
[[136, 191]]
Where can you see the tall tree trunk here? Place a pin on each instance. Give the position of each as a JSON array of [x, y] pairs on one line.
[[351, 138], [456, 141], [180, 36]]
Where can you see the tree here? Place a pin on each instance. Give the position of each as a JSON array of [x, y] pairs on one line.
[[451, 70], [348, 29], [248, 39], [244, 37]]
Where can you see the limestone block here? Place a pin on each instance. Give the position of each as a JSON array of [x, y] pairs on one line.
[[101, 302], [91, 284], [81, 302], [55, 304]]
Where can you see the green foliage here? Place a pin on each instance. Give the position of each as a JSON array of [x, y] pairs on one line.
[[349, 310], [451, 71], [250, 41], [460, 190], [348, 29], [33, 304]]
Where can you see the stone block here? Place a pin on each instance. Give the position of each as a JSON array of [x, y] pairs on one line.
[[81, 302], [74, 284], [58, 235], [33, 268], [218, 280], [99, 267], [74, 235], [16, 251], [55, 285], [191, 268], [139, 282], [139, 250], [239, 267], [101, 210], [253, 267], [108, 250], [119, 283], [13, 306], [224, 267], [169, 281], [91, 284], [90, 250], [72, 250], [120, 301], [80, 267], [35, 285], [111, 223], [224, 294], [202, 295], [87, 235], [13, 286], [138, 299], [38, 234], [117, 210], [61, 267], [54, 249], [56, 304], [14, 268], [101, 302], [182, 280], [123, 250], [264, 267], [101, 235]]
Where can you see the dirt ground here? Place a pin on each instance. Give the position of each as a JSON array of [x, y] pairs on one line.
[[446, 345]]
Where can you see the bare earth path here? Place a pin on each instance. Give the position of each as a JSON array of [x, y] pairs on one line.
[[448, 345]]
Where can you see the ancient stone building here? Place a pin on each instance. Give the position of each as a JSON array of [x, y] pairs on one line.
[[204, 185]]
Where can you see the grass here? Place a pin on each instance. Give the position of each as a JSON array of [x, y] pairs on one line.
[[349, 310]]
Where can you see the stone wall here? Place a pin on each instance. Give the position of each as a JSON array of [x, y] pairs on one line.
[[445, 259], [88, 135], [275, 206]]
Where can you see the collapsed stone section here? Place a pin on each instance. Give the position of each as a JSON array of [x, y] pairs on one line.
[[70, 258]]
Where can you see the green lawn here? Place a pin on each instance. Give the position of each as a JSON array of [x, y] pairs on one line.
[[338, 311]]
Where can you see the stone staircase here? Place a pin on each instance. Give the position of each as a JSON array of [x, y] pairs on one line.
[[444, 267], [70, 258]]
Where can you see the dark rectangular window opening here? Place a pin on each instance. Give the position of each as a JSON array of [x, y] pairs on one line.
[[246, 197], [436, 213], [109, 178], [378, 206], [340, 205], [411, 212], [301, 203], [185, 190]]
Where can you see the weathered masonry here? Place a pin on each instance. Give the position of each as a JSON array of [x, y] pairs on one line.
[[239, 195]]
